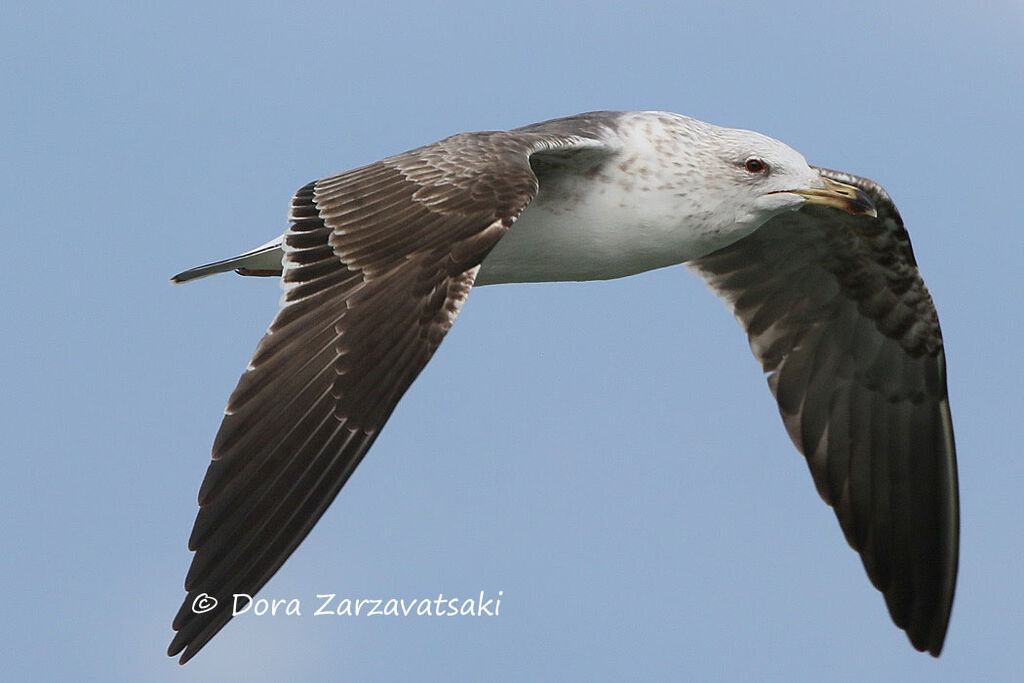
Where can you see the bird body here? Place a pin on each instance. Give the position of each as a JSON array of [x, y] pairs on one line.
[[378, 261], [621, 203]]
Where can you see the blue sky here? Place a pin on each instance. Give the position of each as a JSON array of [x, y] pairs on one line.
[[607, 454]]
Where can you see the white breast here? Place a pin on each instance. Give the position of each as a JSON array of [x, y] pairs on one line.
[[634, 212]]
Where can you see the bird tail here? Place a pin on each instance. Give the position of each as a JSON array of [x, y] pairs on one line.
[[263, 261]]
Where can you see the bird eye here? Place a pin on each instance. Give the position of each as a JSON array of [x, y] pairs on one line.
[[755, 165]]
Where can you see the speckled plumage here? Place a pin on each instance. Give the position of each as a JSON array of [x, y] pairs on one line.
[[379, 260], [842, 323]]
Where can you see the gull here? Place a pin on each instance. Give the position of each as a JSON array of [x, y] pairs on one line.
[[378, 261]]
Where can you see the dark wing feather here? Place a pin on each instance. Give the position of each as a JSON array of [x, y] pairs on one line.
[[378, 262], [840, 319]]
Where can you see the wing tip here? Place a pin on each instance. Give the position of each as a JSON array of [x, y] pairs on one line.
[[175, 648], [927, 631], [186, 656], [188, 642], [931, 643]]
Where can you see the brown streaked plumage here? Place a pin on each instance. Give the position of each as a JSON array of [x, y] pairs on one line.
[[363, 312], [378, 262], [840, 319]]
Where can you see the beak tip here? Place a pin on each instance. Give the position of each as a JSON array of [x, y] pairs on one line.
[[862, 205], [849, 198]]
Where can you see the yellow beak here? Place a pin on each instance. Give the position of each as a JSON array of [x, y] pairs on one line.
[[841, 196]]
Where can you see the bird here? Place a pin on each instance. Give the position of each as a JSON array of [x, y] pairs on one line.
[[378, 261]]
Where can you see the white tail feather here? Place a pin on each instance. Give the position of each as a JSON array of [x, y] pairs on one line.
[[263, 260]]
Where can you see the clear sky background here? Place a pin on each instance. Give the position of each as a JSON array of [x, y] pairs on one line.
[[606, 454]]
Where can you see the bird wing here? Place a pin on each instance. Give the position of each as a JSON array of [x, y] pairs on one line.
[[837, 313], [378, 262]]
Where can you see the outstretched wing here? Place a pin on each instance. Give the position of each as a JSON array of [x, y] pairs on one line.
[[378, 262], [840, 319]]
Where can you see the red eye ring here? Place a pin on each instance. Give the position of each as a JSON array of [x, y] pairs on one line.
[[755, 166]]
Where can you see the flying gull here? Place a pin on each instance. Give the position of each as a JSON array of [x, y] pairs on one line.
[[378, 261]]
